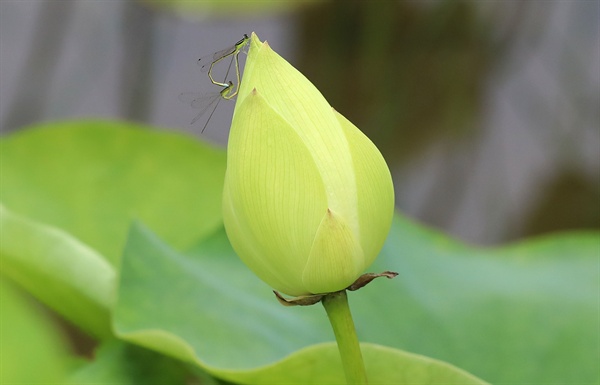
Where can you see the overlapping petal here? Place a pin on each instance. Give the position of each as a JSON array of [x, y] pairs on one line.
[[274, 195]]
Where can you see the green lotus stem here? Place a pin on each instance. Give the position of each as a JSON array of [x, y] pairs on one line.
[[338, 312]]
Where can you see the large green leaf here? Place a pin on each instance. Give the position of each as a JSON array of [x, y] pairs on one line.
[[31, 350], [526, 312], [207, 309], [59, 270], [91, 178], [320, 364], [521, 313]]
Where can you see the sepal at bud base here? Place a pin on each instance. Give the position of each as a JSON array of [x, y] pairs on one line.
[[309, 300]]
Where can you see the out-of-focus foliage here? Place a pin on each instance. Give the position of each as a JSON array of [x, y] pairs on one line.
[[60, 270], [82, 177], [490, 311], [227, 8], [31, 349]]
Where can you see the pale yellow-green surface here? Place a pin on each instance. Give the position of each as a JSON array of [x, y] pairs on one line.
[[308, 198], [31, 349]]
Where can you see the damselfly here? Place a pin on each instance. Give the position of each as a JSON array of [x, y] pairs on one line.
[[207, 63], [207, 101]]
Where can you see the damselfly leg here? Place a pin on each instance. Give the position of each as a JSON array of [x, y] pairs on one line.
[[204, 102]]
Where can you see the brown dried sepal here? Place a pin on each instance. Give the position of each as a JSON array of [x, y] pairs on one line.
[[308, 300], [299, 301], [366, 278]]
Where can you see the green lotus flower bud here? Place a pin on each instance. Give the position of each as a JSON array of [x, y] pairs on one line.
[[308, 199]]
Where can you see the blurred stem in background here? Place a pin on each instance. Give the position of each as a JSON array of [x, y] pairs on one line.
[[137, 75], [35, 76], [407, 73], [138, 66], [414, 76]]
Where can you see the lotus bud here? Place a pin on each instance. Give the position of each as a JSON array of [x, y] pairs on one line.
[[308, 199]]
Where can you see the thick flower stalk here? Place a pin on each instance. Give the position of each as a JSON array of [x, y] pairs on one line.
[[308, 198]]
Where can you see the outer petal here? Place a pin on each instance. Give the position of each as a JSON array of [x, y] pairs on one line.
[[374, 188], [274, 197], [336, 258], [305, 109]]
